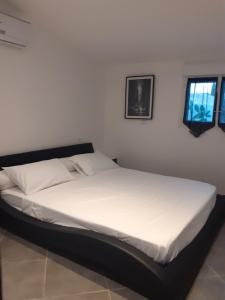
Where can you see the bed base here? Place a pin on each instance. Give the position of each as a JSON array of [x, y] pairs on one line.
[[107, 255]]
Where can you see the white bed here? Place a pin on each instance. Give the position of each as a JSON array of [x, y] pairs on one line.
[[157, 214]]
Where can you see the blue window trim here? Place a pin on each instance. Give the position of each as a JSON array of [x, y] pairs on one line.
[[197, 127], [222, 89]]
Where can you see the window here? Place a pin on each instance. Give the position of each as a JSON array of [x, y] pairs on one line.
[[200, 104], [221, 120]]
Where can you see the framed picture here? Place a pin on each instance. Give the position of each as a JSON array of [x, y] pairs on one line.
[[139, 97]]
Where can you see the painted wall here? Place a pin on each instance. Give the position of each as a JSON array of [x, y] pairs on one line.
[[49, 95], [164, 144]]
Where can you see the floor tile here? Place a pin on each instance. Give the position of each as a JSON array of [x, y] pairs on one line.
[[208, 289], [23, 280], [17, 249], [216, 260], [206, 272], [125, 294], [93, 296], [89, 296], [65, 277]]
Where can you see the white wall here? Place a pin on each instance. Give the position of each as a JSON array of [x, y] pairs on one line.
[[49, 96], [162, 145]]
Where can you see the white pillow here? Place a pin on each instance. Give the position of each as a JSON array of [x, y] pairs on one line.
[[5, 182], [67, 163], [92, 163], [31, 178]]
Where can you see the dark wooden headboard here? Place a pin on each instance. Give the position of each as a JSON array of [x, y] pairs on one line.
[[34, 156]]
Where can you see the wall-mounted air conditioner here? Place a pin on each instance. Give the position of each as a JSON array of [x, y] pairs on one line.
[[13, 31]]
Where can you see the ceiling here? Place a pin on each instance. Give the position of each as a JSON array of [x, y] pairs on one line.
[[120, 31]]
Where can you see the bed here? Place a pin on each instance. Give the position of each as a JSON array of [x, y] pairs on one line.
[[143, 253]]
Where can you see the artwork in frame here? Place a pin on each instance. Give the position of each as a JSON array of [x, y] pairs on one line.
[[139, 97]]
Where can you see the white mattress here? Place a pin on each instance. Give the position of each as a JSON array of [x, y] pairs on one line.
[[157, 214]]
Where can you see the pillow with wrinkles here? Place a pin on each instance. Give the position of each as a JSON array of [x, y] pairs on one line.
[[31, 178], [5, 181], [92, 163]]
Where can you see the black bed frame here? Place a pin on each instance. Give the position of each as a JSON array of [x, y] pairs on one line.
[[108, 255]]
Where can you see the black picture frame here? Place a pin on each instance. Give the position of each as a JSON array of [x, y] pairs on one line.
[[139, 97]]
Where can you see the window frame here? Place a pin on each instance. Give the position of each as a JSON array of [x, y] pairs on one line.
[[198, 127], [222, 88]]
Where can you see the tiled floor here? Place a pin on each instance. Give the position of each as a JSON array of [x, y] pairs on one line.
[[32, 273]]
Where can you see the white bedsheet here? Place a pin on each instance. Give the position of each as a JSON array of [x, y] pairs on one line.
[[157, 214]]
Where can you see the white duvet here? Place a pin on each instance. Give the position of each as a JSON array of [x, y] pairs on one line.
[[158, 215]]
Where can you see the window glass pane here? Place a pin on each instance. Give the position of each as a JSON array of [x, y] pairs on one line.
[[201, 96], [222, 103]]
